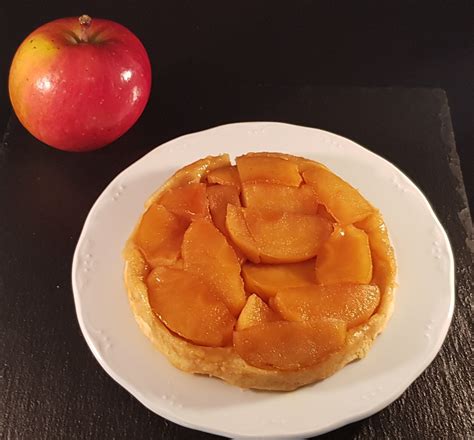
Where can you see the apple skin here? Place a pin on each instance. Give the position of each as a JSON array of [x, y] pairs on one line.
[[78, 87]]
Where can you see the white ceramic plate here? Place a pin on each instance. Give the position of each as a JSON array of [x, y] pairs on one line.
[[423, 310]]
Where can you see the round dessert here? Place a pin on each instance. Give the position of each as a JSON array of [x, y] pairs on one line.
[[270, 274]]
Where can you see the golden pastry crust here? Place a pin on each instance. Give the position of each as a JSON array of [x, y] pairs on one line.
[[224, 362]]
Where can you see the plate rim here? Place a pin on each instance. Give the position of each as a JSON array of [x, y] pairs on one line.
[[172, 416]]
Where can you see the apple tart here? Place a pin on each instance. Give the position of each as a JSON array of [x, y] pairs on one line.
[[270, 274]]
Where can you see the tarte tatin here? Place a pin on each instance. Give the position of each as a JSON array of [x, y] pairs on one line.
[[270, 274]]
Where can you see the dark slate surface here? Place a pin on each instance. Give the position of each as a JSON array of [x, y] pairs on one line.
[[51, 387]]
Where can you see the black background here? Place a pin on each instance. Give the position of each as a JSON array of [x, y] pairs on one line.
[[415, 43], [217, 62]]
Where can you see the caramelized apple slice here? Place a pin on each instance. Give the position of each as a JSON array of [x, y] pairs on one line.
[[192, 173], [185, 305], [302, 163], [269, 169], [383, 260], [266, 279], [225, 176], [307, 164], [268, 196], [351, 303], [284, 237], [178, 264], [187, 201], [240, 234], [219, 196], [323, 212], [284, 345], [343, 201], [160, 234], [207, 253], [255, 312], [345, 257]]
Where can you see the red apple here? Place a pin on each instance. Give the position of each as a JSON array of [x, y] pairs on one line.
[[78, 84]]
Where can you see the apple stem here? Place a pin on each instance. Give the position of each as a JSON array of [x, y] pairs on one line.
[[85, 22]]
